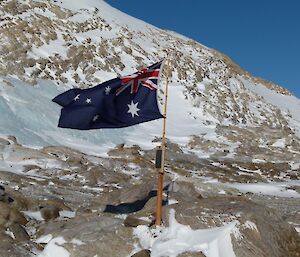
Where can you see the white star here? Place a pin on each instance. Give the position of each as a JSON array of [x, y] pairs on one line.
[[88, 100], [76, 97], [107, 90], [132, 109], [96, 117]]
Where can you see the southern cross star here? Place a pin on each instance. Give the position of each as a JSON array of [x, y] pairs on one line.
[[107, 90], [76, 97], [88, 100], [132, 109]]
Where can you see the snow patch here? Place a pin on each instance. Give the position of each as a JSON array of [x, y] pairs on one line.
[[44, 239], [35, 215], [279, 189], [177, 239], [250, 225], [280, 143], [54, 248], [77, 242]]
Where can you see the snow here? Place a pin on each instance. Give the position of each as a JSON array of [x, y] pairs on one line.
[[177, 239], [289, 105], [279, 189], [34, 215], [47, 50], [54, 248], [280, 143], [295, 165], [67, 214], [250, 225], [77, 242], [44, 239], [258, 160], [10, 233], [109, 13]]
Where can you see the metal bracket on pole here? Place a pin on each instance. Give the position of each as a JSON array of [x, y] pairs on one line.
[[158, 158]]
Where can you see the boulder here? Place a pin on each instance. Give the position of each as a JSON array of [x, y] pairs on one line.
[[4, 213], [10, 215], [17, 217], [19, 232], [100, 234], [49, 212], [132, 221], [4, 141], [142, 253]]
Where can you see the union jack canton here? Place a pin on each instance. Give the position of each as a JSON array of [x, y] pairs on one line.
[[147, 77]]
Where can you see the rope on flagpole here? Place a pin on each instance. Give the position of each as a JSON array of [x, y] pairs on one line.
[[160, 181]]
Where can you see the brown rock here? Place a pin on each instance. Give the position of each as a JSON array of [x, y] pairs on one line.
[[132, 221], [19, 232], [49, 212], [4, 213], [4, 142], [9, 215], [188, 254], [17, 217], [13, 139], [142, 253], [4, 237]]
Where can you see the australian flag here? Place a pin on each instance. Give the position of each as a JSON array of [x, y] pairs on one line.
[[117, 103]]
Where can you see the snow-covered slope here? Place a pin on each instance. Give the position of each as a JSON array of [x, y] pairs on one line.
[[215, 108]]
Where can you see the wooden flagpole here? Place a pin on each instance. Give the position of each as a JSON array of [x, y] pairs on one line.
[[163, 148]]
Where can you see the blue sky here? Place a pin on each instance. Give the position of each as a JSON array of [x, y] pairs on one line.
[[262, 36]]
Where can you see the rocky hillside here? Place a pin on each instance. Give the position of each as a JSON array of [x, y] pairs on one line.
[[233, 143], [89, 42]]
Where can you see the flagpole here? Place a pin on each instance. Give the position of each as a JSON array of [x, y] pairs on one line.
[[163, 156]]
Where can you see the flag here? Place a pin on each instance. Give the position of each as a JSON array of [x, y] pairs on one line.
[[117, 103]]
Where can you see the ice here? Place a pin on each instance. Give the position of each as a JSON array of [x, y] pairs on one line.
[[32, 117], [29, 114]]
